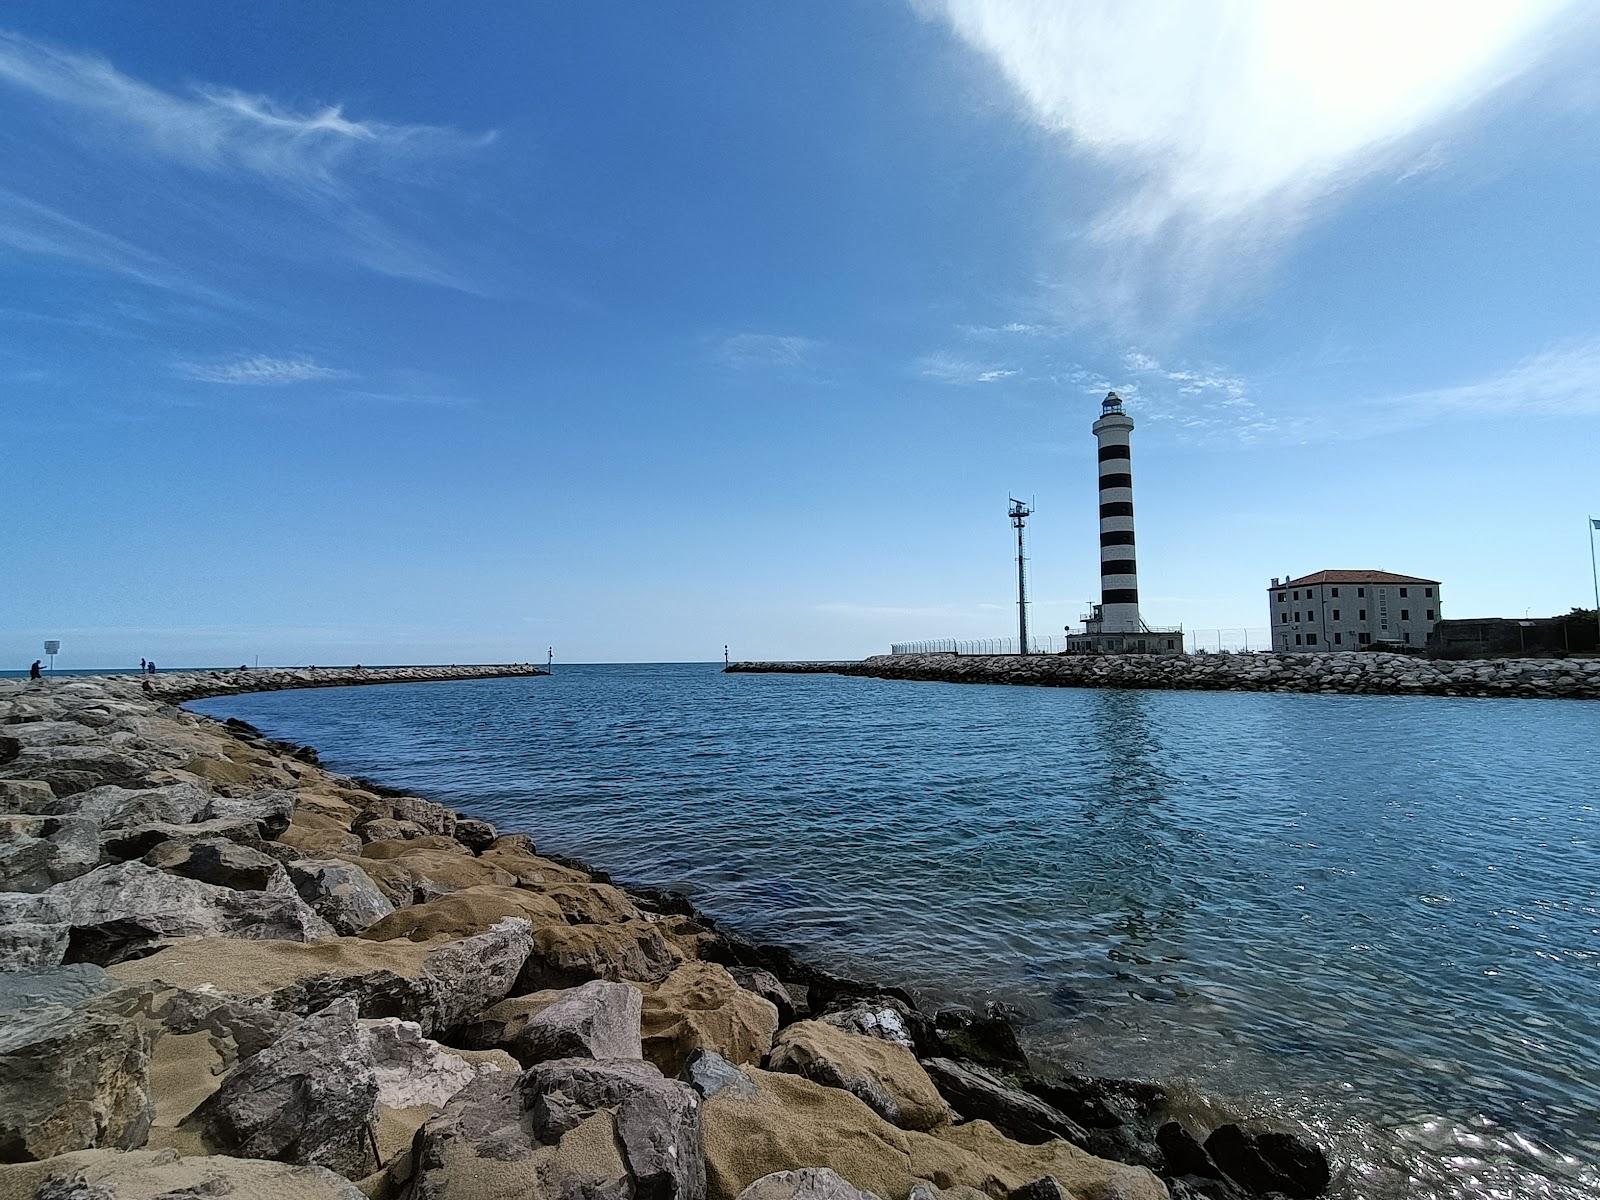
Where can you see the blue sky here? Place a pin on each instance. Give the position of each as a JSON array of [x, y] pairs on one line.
[[352, 333]]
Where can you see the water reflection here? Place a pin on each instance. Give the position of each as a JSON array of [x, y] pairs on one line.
[[1379, 916]]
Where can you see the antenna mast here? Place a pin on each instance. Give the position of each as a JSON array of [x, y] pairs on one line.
[[1019, 513]]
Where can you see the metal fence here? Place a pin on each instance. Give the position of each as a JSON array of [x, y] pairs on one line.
[[1036, 645], [1196, 641], [1227, 641]]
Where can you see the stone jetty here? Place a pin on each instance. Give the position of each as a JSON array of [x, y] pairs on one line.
[[1364, 673], [227, 971]]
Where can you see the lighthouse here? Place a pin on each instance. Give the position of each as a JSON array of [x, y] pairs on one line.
[[1114, 626], [1119, 573]]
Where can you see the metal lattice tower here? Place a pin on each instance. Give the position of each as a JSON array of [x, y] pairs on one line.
[[1019, 513]]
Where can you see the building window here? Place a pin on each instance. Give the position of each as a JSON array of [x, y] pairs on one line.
[[1297, 595], [1428, 592], [1336, 614], [1335, 593], [1402, 593], [1283, 618], [1405, 613], [1311, 639], [1361, 614], [1169, 644], [1282, 596], [1430, 614], [1297, 639], [1361, 593], [1406, 638], [1338, 639], [1297, 616], [1364, 638]]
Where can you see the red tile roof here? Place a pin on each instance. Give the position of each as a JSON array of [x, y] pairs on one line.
[[1350, 577]]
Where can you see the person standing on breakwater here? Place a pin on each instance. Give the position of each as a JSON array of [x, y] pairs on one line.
[[141, 666], [35, 672], [150, 667]]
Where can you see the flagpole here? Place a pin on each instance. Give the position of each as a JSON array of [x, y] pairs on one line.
[[1595, 574]]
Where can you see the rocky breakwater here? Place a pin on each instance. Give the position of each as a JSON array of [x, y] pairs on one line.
[[1365, 673], [226, 971]]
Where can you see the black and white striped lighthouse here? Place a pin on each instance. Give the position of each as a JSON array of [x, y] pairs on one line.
[[1119, 574]]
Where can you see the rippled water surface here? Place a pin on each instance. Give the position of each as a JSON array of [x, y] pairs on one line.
[[1380, 916]]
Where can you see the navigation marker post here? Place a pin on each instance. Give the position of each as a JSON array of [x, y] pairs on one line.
[[1594, 523]]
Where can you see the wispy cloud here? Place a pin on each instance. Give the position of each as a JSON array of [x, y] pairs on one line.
[[751, 350], [260, 370], [347, 184], [1558, 381], [1226, 127], [949, 368]]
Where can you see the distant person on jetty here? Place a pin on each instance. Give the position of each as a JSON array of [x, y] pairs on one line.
[[141, 666], [150, 667], [35, 671]]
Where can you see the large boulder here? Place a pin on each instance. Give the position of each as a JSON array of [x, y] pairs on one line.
[[163, 1175], [701, 1007], [808, 1183], [418, 875], [787, 1122], [597, 1020], [55, 850], [978, 1094], [475, 835], [414, 1070], [565, 1128], [135, 841], [122, 911], [217, 861], [883, 1075], [436, 985], [73, 1078], [270, 808], [340, 892], [309, 1098], [567, 955], [460, 914], [874, 1017], [1266, 1161], [73, 769], [117, 807], [987, 1038], [33, 930]]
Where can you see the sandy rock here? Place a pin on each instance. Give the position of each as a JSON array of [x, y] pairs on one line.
[[73, 769], [527, 868], [596, 1020], [217, 861], [791, 1123], [387, 829], [565, 956], [701, 1007], [424, 873], [404, 846], [587, 903], [120, 911], [413, 1070], [886, 1076], [72, 1079], [309, 1098], [656, 1120], [977, 1094], [434, 818], [497, 1026], [437, 985], [163, 1175], [468, 911], [319, 842], [340, 892], [808, 1183]]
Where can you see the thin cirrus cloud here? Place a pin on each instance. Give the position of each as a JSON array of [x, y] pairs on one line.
[[941, 367], [260, 370], [749, 350], [1224, 128], [320, 170]]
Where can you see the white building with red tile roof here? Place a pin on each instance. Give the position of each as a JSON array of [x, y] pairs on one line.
[[1351, 610]]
